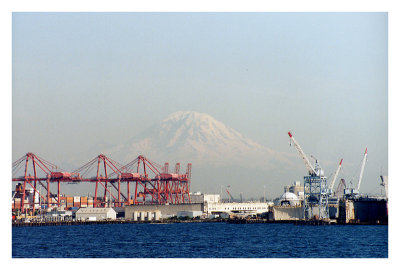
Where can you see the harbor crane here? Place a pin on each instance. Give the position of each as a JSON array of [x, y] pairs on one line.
[[315, 190], [230, 196], [362, 169], [355, 192], [308, 164], [335, 176]]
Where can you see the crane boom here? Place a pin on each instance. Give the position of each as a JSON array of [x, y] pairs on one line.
[[362, 169], [231, 197], [310, 168], [336, 175]]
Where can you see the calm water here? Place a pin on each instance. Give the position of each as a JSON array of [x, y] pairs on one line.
[[200, 240]]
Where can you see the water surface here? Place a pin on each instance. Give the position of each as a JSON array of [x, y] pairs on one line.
[[200, 240]]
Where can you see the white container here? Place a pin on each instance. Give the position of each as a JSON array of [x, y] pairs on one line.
[[135, 215]]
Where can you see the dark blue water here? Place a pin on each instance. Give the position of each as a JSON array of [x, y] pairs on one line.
[[200, 240]]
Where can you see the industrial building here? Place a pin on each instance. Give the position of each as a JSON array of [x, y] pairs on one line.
[[245, 207], [146, 216], [199, 197], [166, 210], [189, 214], [288, 199], [287, 213], [94, 214], [296, 189]]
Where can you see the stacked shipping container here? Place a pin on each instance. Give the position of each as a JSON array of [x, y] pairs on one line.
[[67, 202]]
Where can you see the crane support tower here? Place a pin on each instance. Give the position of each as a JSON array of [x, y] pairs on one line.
[[315, 187]]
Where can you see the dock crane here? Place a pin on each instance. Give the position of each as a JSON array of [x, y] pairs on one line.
[[230, 196], [362, 169], [315, 189], [355, 192], [311, 170], [335, 176]]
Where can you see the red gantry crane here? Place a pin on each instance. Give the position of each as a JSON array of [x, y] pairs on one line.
[[162, 187]]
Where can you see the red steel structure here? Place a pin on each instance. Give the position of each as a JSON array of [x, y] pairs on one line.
[[161, 187]]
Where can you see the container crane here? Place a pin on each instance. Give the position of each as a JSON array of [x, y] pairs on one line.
[[335, 176]]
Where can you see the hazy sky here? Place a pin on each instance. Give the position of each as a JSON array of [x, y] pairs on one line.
[[81, 80]]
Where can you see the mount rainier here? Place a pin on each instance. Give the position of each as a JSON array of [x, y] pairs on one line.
[[198, 138]]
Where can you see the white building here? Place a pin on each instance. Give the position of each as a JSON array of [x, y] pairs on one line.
[[296, 188], [198, 197], [146, 216], [245, 207], [190, 214], [59, 213], [288, 199], [95, 214]]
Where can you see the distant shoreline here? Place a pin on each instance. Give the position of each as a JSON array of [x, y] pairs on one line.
[[231, 221]]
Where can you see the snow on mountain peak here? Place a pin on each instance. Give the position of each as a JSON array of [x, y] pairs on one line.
[[188, 136]]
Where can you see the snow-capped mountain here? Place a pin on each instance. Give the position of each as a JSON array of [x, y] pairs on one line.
[[187, 136]]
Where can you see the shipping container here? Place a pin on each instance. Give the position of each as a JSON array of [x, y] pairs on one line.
[[77, 204], [169, 175], [60, 174], [77, 199], [130, 175], [70, 199]]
